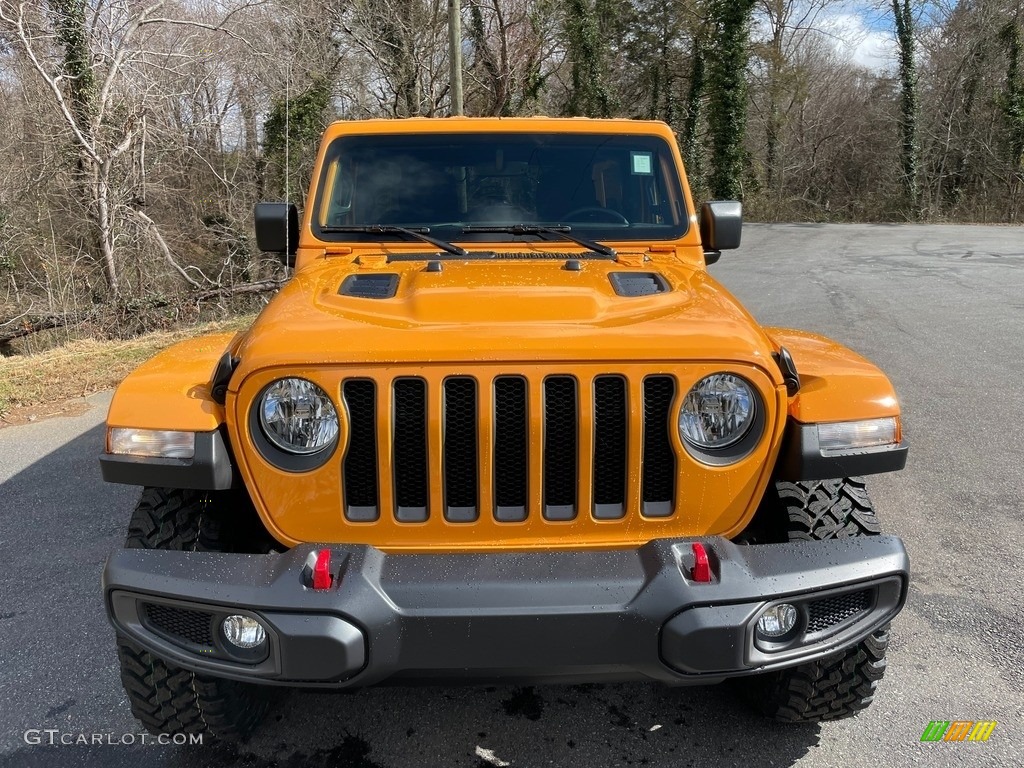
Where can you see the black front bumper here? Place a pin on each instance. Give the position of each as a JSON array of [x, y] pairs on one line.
[[561, 616]]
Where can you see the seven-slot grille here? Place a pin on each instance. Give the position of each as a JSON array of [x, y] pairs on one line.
[[475, 439]]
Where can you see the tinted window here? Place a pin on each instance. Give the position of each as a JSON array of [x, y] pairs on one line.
[[604, 186]]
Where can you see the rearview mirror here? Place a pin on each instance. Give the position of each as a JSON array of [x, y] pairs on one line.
[[277, 229], [721, 228]]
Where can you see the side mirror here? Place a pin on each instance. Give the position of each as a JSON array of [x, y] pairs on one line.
[[721, 228], [277, 229]]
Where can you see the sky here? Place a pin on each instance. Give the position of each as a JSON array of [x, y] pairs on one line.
[[865, 36], [868, 28], [860, 31]]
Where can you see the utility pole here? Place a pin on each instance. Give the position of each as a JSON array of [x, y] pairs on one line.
[[455, 53]]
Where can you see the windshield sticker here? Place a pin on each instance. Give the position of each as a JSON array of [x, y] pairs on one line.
[[642, 163]]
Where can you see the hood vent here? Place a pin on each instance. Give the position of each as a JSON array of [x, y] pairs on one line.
[[370, 286], [638, 283]]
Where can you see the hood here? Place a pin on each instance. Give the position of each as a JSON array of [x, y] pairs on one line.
[[335, 312]]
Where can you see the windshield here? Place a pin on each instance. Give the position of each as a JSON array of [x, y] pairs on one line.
[[601, 187]]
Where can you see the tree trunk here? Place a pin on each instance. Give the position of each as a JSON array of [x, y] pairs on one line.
[[773, 126], [589, 96], [694, 112], [1013, 111], [247, 107], [104, 225], [910, 148], [727, 113], [455, 54]]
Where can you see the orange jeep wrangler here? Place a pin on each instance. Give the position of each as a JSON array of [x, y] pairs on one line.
[[501, 424]]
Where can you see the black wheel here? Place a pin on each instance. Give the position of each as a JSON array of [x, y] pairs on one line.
[[164, 697], [843, 684]]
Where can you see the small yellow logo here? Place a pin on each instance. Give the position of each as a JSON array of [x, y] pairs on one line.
[[958, 730]]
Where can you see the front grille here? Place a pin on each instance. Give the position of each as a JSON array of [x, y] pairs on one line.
[[659, 465], [828, 612], [360, 468], [410, 446], [511, 443], [460, 453], [560, 440], [511, 447], [181, 625], [611, 436]]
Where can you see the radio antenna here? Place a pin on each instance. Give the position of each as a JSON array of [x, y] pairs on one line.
[[287, 156]]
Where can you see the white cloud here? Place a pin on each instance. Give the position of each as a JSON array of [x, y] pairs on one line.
[[864, 45]]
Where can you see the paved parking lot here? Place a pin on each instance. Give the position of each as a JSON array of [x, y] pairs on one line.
[[941, 309]]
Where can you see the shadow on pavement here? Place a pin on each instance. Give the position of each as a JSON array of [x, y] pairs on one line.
[[591, 725]]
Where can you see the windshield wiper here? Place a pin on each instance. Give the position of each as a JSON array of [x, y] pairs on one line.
[[540, 229], [419, 233]]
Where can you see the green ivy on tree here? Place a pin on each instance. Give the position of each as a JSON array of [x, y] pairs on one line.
[[70, 28], [727, 89], [911, 149], [294, 129], [589, 95], [1013, 99]]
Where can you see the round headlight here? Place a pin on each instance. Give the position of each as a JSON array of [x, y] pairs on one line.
[[298, 417], [717, 412]]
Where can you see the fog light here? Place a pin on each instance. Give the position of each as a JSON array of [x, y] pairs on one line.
[[244, 631], [777, 621]]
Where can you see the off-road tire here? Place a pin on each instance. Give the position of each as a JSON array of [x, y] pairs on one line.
[[165, 698], [843, 684], [827, 509]]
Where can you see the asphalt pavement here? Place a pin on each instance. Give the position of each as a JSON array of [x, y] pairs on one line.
[[940, 308]]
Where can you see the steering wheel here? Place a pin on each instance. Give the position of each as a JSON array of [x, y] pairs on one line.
[[605, 213]]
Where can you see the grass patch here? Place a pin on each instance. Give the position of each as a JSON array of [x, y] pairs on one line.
[[81, 368]]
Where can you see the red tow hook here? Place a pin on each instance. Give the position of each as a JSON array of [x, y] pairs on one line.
[[322, 570], [701, 571]]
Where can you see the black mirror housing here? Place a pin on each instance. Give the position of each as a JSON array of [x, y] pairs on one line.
[[277, 229], [721, 227]]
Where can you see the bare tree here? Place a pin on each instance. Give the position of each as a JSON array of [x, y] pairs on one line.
[[513, 42], [792, 35], [95, 80], [404, 45], [138, 133]]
